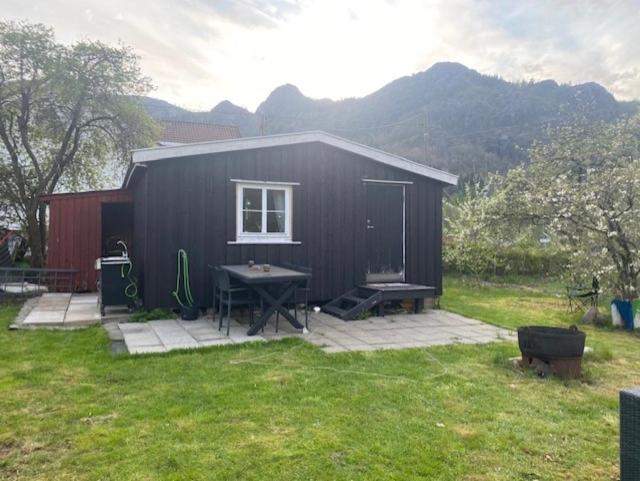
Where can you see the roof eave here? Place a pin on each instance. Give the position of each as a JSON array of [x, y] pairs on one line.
[[201, 148]]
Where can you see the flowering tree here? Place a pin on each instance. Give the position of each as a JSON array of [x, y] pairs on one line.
[[487, 230], [468, 243], [584, 186], [64, 111]]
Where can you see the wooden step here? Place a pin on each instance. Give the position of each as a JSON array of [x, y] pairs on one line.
[[354, 296], [369, 296], [354, 299], [336, 311]]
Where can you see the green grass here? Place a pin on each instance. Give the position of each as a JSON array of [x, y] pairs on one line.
[[69, 409]]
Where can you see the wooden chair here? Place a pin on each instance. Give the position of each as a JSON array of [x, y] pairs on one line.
[[229, 295]]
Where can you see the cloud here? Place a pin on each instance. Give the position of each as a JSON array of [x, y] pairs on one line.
[[199, 52], [265, 13], [574, 43]]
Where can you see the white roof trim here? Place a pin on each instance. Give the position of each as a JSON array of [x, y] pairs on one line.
[[246, 143]]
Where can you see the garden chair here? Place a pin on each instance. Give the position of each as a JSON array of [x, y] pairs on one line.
[[583, 296], [225, 294]]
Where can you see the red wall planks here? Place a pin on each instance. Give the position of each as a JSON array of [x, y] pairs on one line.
[[75, 232]]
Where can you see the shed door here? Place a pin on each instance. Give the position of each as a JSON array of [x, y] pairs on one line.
[[385, 232]]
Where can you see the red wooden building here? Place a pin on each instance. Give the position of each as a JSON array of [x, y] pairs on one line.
[[87, 225], [84, 227]]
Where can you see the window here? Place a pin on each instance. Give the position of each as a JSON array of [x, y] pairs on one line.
[[263, 213]]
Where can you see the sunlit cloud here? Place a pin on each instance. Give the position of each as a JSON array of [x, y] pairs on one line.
[[200, 52]]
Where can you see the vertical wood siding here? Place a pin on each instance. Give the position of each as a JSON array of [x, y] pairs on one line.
[[189, 203], [75, 232]]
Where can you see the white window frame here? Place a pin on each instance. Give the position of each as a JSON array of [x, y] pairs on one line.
[[264, 237]]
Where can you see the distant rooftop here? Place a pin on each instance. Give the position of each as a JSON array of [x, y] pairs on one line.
[[179, 132]]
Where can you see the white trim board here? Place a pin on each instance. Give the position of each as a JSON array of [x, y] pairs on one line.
[[174, 151], [262, 182], [391, 182]]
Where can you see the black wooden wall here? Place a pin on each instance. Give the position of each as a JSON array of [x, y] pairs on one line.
[[190, 203]]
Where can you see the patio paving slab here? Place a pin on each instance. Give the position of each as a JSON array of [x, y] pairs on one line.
[[173, 335], [432, 328], [63, 310], [140, 335], [45, 317]]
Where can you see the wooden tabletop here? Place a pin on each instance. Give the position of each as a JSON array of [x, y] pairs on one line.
[[257, 275]]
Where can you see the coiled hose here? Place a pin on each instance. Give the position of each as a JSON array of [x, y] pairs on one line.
[[131, 291], [183, 269]]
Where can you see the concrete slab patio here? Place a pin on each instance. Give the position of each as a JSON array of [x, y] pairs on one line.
[[431, 328], [63, 310]]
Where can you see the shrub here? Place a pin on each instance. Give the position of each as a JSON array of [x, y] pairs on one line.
[[151, 315], [482, 259]]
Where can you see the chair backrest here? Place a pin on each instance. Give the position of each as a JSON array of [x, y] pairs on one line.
[[295, 267], [221, 279]]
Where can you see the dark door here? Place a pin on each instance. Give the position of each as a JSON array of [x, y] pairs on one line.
[[117, 225], [385, 232]]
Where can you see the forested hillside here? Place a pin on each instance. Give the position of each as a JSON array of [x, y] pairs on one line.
[[448, 116]]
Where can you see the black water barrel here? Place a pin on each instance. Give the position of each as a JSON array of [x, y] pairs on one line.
[[549, 343]]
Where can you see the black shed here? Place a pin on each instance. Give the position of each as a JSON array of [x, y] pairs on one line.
[[352, 213]]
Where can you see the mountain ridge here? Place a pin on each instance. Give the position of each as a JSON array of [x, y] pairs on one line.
[[448, 116]]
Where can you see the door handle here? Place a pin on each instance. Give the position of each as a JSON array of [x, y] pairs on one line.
[[370, 227]]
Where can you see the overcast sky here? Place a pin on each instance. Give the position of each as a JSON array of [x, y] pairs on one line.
[[199, 52]]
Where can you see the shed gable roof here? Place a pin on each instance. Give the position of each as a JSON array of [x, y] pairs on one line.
[[175, 151]]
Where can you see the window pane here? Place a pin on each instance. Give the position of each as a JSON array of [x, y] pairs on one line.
[[251, 221], [275, 199], [275, 221], [252, 199]]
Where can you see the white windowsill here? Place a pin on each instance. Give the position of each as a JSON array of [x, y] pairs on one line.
[[263, 242]]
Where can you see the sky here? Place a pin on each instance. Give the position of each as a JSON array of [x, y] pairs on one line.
[[200, 52]]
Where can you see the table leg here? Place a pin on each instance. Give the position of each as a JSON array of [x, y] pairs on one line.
[[273, 306]]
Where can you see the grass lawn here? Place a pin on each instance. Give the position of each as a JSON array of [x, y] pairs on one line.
[[71, 410]]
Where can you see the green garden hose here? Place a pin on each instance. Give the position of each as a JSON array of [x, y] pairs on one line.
[[183, 268], [131, 291]]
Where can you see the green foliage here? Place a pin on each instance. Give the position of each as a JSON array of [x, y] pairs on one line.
[[151, 315], [584, 187], [480, 259], [477, 240], [581, 192], [64, 112]]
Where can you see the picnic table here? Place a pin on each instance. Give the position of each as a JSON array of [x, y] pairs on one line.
[[275, 287]]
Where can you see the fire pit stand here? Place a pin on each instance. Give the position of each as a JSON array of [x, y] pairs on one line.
[[552, 350]]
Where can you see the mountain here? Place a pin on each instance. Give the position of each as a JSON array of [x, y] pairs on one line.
[[448, 116]]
